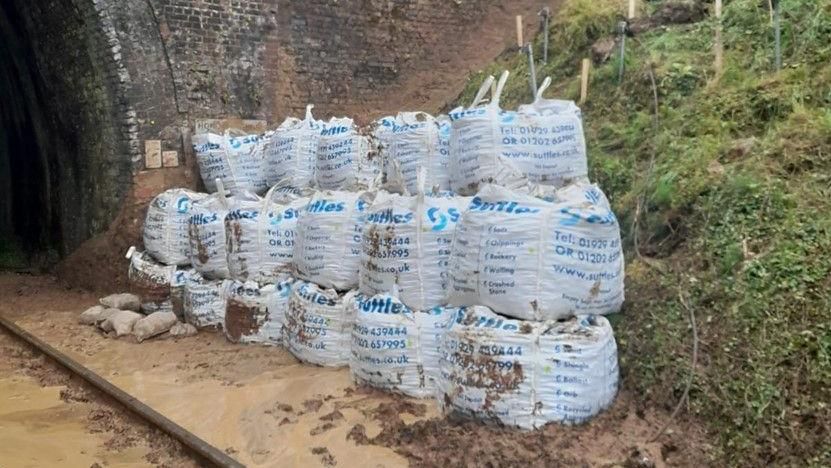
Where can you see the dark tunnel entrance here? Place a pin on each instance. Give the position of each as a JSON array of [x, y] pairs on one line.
[[64, 164]]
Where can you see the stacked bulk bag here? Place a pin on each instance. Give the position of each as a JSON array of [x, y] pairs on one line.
[[318, 325], [260, 235], [208, 252], [291, 155], [413, 142], [394, 347], [204, 301], [406, 245], [344, 161], [238, 161], [254, 313], [476, 144], [547, 142], [150, 281], [327, 250], [534, 259], [166, 226], [527, 374]]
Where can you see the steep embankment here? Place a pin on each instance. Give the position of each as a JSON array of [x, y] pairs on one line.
[[723, 196]]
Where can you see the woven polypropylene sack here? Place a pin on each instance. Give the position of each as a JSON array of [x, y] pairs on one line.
[[239, 161], [291, 155], [395, 348], [533, 259], [253, 314], [406, 243], [476, 146], [344, 161], [318, 325], [413, 141], [204, 301], [260, 236], [151, 281], [327, 250], [527, 374], [208, 252], [166, 226]]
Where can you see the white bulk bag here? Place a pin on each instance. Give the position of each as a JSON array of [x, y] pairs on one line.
[[406, 244], [253, 314], [533, 259], [527, 374], [204, 301], [166, 226], [177, 291], [236, 160], [476, 145], [344, 161], [327, 250], [413, 143], [546, 141], [150, 281], [208, 252], [260, 236], [318, 325], [395, 348], [291, 155]]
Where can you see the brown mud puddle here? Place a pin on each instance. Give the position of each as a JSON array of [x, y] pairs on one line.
[[265, 409]]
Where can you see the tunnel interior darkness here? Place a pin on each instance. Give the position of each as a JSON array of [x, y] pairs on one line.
[[62, 158]]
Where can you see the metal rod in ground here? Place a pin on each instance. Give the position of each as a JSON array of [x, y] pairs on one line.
[[200, 447], [532, 71], [777, 31], [545, 13], [621, 28]]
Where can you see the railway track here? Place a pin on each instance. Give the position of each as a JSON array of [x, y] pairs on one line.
[[201, 449]]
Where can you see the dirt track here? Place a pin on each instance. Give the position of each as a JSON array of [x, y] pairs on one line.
[[265, 409]]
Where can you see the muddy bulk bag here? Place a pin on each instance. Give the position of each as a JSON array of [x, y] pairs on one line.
[[238, 161], [406, 244], [254, 313], [395, 348], [177, 292], [150, 281], [412, 143], [344, 160], [208, 250], [475, 145], [260, 235], [327, 250], [524, 373], [204, 301], [166, 226], [318, 325], [291, 155], [533, 259]]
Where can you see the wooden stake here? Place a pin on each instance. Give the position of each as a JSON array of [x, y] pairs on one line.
[[631, 9], [519, 31], [584, 80], [719, 45]]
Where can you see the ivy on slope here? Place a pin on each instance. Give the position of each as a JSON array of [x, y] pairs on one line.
[[724, 200]]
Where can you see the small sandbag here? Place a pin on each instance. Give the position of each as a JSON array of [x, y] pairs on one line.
[[123, 301], [91, 315], [182, 330], [154, 324], [121, 322]]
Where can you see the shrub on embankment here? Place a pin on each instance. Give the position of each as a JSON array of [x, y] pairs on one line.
[[723, 195]]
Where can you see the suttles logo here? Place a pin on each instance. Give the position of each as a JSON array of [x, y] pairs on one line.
[[506, 206], [479, 321], [389, 217], [321, 206], [183, 205], [234, 143], [277, 218], [332, 131], [200, 219], [440, 220], [382, 305]]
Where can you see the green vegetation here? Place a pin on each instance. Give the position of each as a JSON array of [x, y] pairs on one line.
[[724, 198]]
